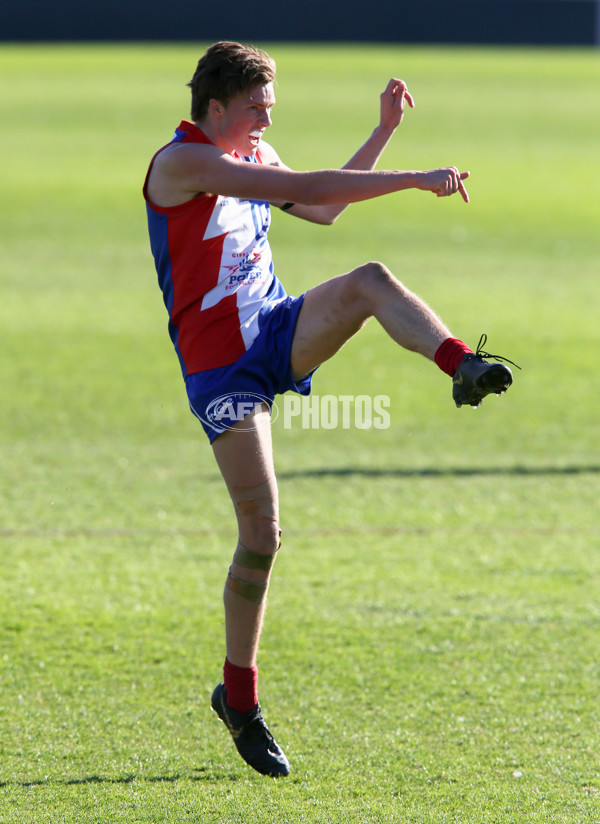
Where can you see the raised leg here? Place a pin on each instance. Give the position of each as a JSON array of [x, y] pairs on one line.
[[335, 310]]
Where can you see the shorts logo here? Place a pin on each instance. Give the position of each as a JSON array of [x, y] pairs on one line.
[[226, 410]]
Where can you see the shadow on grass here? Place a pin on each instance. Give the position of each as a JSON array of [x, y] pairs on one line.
[[438, 472], [199, 774]]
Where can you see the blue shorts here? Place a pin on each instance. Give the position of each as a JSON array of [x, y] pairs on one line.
[[221, 397]]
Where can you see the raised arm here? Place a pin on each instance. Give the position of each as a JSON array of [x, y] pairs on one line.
[[393, 100], [392, 103]]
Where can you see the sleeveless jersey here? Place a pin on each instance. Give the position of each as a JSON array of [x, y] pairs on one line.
[[215, 269]]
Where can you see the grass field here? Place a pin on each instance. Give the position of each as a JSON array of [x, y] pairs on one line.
[[431, 646]]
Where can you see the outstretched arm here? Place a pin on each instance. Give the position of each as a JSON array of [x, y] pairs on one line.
[[186, 170]]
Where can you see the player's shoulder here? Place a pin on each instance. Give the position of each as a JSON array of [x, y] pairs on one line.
[[178, 172], [179, 155]]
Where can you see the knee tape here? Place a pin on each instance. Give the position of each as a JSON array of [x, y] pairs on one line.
[[258, 501], [250, 590], [249, 559]]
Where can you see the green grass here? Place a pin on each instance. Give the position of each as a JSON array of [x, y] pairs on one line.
[[430, 651]]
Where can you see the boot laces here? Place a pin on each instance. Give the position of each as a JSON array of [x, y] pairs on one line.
[[481, 353]]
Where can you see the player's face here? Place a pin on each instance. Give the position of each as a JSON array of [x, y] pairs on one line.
[[244, 120]]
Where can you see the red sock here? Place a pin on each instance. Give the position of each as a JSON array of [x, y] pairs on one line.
[[450, 354], [241, 684]]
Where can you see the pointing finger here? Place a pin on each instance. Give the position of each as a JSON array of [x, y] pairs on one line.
[[461, 186]]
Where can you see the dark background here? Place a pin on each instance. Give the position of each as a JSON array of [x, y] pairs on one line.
[[541, 22]]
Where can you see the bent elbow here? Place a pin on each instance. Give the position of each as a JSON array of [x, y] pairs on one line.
[[324, 216]]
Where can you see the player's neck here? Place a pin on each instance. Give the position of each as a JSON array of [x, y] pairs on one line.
[[211, 131]]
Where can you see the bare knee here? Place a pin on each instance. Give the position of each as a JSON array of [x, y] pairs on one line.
[[372, 282], [260, 534], [375, 271]]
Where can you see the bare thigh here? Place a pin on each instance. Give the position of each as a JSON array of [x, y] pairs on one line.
[[335, 310], [331, 314]]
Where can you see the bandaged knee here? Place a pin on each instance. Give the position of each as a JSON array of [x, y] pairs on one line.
[[258, 504], [257, 501], [245, 558]]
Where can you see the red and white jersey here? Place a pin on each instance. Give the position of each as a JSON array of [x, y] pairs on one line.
[[215, 269]]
